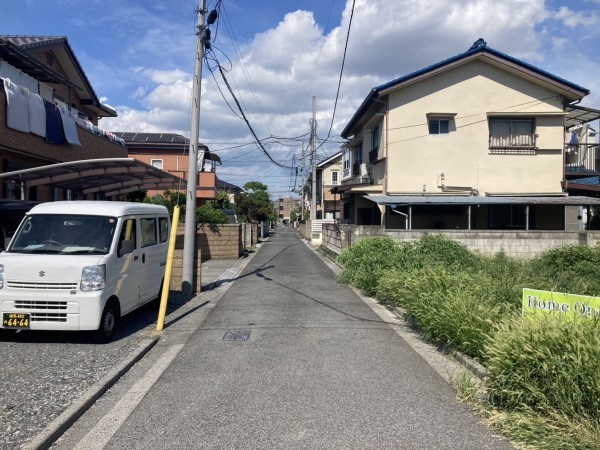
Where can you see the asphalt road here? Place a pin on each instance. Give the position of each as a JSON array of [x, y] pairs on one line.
[[319, 368]]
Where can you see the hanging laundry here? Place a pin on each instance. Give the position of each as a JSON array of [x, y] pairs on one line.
[[10, 72], [37, 114], [54, 126], [46, 91], [574, 138], [69, 127], [17, 116], [30, 83]]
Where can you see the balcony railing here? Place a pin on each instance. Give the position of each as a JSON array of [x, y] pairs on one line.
[[513, 143], [582, 158]]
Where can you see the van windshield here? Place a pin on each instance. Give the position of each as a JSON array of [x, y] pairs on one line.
[[64, 234]]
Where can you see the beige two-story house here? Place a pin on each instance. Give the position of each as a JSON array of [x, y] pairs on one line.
[[476, 141]]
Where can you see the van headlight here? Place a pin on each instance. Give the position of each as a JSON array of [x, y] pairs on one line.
[[93, 278], [1, 276]]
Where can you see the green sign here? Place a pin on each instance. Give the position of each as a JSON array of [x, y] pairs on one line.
[[571, 305]]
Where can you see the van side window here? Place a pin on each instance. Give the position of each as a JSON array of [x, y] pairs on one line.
[[148, 227], [163, 229], [128, 233]]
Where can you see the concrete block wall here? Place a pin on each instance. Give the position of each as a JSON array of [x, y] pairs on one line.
[[517, 244], [177, 269], [220, 241]]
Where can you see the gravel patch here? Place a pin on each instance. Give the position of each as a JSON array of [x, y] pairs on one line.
[[43, 373]]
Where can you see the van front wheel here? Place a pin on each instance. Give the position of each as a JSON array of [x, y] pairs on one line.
[[108, 323]]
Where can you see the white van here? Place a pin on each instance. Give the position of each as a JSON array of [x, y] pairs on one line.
[[82, 265]]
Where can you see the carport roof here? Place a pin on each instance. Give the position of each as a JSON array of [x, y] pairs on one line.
[[109, 176]]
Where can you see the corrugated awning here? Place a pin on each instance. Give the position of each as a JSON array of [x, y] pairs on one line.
[[580, 114], [401, 200], [110, 176]]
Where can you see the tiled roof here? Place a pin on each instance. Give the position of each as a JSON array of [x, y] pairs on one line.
[[480, 46], [163, 138], [587, 181], [225, 185], [26, 42], [34, 41]]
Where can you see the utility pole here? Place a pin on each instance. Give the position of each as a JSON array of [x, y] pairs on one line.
[[313, 149], [189, 238]]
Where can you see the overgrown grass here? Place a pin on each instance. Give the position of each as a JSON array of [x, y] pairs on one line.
[[543, 375], [550, 364]]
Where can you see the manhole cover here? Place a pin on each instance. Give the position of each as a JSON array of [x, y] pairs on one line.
[[237, 335]]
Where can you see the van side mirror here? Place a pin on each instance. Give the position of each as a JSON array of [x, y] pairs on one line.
[[125, 247]]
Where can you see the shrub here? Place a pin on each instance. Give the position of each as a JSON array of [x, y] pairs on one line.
[[365, 261], [209, 213], [438, 250], [548, 364]]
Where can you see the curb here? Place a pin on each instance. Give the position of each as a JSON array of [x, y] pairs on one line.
[[68, 417]]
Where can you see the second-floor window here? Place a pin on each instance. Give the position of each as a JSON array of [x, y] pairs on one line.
[[157, 163], [335, 178], [439, 125], [509, 133], [374, 145], [346, 162]]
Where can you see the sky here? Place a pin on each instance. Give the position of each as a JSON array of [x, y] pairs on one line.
[[277, 55]]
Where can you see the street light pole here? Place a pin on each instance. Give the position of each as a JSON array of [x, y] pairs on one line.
[[189, 238]]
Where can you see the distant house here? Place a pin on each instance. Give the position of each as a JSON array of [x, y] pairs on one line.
[[49, 114], [474, 142], [329, 176], [284, 206], [170, 152]]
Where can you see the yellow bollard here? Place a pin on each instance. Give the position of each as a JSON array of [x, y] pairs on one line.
[[164, 297]]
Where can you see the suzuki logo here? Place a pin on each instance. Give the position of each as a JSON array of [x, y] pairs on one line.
[[42, 273]]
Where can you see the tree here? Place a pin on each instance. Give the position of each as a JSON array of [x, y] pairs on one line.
[[170, 199], [211, 213], [222, 200], [254, 203]]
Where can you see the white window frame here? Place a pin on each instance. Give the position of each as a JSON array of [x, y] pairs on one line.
[[346, 157], [154, 161], [336, 181]]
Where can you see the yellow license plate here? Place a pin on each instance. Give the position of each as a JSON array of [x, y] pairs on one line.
[[15, 320]]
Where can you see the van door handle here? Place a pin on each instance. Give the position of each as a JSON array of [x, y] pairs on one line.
[[143, 258]]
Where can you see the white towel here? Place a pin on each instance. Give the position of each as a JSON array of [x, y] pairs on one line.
[[37, 115], [17, 116], [30, 83], [69, 127], [46, 91], [10, 72]]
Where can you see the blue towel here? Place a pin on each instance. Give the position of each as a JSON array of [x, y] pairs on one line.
[[54, 126]]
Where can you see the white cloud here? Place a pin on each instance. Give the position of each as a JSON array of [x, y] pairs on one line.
[[285, 66], [573, 19]]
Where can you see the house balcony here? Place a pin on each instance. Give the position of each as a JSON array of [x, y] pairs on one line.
[[95, 143], [582, 159]]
